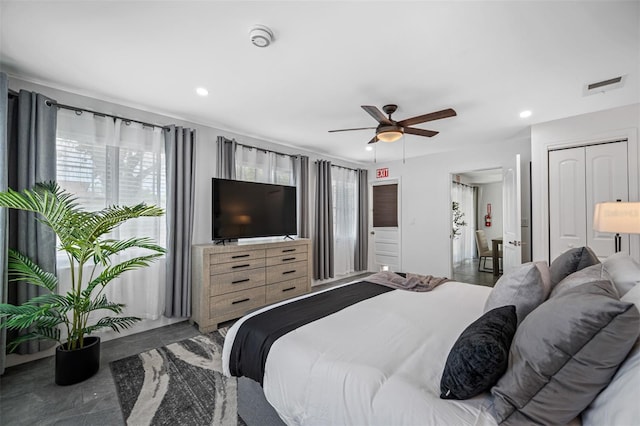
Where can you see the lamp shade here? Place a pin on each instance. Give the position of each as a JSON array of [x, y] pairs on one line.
[[618, 217]]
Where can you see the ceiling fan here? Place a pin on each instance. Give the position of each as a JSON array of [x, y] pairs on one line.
[[389, 130]]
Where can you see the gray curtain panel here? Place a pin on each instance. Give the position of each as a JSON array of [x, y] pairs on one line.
[[226, 161], [323, 252], [301, 165], [31, 134], [180, 146], [4, 183], [361, 262]]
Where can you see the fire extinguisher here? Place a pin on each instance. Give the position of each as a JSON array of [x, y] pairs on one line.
[[487, 217]]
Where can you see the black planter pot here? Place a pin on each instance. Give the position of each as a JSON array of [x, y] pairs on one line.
[[75, 366]]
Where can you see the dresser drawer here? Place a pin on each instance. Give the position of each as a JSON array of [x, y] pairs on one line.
[[277, 251], [286, 272], [286, 289], [235, 256], [286, 258], [236, 281], [237, 302], [240, 265]]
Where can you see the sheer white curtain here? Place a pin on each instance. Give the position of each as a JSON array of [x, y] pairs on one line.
[[105, 162], [257, 165], [464, 246], [345, 218]]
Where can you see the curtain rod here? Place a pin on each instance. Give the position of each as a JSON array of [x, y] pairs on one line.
[[343, 167], [463, 184], [102, 114], [266, 150]]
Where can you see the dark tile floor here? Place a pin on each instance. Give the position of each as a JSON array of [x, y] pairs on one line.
[[29, 396], [467, 272]]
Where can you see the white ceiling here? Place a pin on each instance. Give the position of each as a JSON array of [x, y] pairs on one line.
[[488, 60]]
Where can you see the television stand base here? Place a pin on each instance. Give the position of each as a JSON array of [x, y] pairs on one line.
[[288, 237]]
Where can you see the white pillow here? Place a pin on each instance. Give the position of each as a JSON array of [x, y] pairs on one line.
[[618, 403], [624, 271]]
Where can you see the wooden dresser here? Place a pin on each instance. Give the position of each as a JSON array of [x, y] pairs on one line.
[[230, 280]]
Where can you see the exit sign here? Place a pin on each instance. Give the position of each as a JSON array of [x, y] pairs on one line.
[[382, 173]]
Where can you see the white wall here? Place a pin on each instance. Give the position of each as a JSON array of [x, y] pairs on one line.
[[426, 199], [490, 193], [602, 126]]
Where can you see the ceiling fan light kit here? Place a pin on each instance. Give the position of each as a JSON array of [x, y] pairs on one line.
[[390, 130], [389, 133], [261, 35]]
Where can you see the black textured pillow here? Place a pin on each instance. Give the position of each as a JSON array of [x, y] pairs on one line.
[[480, 355]]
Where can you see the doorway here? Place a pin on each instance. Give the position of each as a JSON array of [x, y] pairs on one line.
[[476, 204]]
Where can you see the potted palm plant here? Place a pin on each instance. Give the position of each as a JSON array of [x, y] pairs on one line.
[[69, 318]]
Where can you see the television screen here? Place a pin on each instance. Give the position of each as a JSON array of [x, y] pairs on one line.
[[250, 209]]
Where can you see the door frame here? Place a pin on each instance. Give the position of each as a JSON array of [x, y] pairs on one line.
[[540, 193], [452, 176], [372, 251]]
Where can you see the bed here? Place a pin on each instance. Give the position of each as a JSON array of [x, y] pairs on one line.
[[377, 361]]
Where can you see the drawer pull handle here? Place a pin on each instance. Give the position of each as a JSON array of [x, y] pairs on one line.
[[238, 256], [288, 289], [288, 250], [241, 281], [240, 301], [286, 259], [240, 266], [288, 272]]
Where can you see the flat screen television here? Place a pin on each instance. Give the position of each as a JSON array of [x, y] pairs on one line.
[[250, 209]]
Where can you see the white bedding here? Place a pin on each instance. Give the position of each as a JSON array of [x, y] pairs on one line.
[[378, 362]]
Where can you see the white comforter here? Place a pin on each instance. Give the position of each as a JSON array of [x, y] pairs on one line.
[[378, 362]]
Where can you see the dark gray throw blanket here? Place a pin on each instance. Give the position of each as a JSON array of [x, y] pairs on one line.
[[411, 282]]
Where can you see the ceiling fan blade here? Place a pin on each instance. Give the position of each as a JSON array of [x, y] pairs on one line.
[[377, 114], [420, 132], [427, 117], [348, 130], [374, 140]]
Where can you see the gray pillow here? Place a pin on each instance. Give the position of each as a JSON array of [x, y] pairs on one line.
[[583, 276], [526, 287], [571, 261], [563, 354], [624, 272]]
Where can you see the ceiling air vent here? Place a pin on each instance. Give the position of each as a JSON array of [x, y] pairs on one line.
[[604, 85]]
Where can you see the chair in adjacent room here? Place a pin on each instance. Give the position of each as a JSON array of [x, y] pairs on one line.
[[484, 251]]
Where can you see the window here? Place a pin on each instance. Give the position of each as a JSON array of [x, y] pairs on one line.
[[105, 161], [257, 165], [344, 186]]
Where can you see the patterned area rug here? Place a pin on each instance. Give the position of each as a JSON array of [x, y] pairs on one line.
[[178, 384]]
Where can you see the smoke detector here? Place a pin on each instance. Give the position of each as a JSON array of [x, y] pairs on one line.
[[261, 36]]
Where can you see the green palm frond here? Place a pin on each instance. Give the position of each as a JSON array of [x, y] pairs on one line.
[[102, 303], [38, 333], [107, 219], [112, 272], [114, 323], [22, 268], [25, 316]]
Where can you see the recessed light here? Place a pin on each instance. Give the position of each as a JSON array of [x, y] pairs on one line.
[[369, 148], [202, 91], [525, 114]]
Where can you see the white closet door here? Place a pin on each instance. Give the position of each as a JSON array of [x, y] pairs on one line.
[[567, 219], [606, 176]]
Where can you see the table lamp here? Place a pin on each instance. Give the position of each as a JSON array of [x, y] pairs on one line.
[[619, 217]]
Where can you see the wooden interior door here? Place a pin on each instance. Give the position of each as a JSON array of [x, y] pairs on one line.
[[385, 230], [511, 216]]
